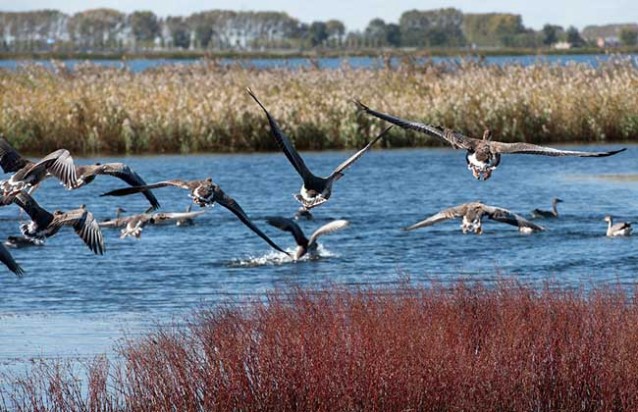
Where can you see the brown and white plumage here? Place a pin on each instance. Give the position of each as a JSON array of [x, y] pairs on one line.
[[9, 262], [617, 229], [28, 174], [134, 224], [44, 224], [87, 173], [305, 245], [315, 189], [204, 193], [483, 155], [472, 214]]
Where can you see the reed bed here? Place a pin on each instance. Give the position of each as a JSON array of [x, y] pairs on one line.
[[204, 107], [468, 347]]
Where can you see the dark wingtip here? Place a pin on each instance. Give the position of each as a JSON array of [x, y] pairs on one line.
[[360, 106], [19, 272]]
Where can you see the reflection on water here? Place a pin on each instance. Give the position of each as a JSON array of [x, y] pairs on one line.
[[72, 303]]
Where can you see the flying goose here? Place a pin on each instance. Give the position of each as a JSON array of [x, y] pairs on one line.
[[303, 213], [28, 174], [87, 173], [18, 242], [547, 213], [473, 213], [483, 156], [7, 259], [618, 229], [204, 193], [45, 224], [315, 190], [305, 245], [133, 224]]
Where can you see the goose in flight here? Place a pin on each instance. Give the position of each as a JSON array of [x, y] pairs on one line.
[[305, 245], [27, 174], [548, 213], [315, 190], [472, 214], [483, 155], [134, 224], [44, 224], [17, 242], [9, 262], [87, 173], [618, 229], [204, 193]]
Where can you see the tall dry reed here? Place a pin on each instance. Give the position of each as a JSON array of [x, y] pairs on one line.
[[204, 107], [509, 347]]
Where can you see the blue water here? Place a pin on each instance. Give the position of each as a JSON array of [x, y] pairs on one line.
[[73, 303], [138, 65]]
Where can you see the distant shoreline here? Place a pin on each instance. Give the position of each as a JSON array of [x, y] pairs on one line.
[[284, 54]]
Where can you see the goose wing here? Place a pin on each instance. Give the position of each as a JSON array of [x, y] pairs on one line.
[[528, 148], [620, 226], [446, 214], [85, 226], [125, 173], [505, 216], [457, 140], [343, 166], [230, 204], [284, 143], [41, 217], [59, 164], [288, 225], [10, 160], [328, 228], [7, 259], [182, 184], [165, 217]]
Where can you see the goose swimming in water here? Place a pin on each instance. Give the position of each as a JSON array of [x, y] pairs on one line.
[[305, 245], [204, 193], [315, 190], [618, 229], [9, 262], [44, 224], [472, 214], [27, 174], [483, 155], [548, 213]]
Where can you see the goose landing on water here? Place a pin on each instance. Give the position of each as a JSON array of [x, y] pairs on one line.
[[618, 229], [536, 213], [483, 155], [472, 214], [315, 190], [305, 245]]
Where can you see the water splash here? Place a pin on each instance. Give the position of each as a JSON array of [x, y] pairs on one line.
[[278, 258]]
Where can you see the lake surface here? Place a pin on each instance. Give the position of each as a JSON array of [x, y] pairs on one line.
[[138, 65], [72, 303]]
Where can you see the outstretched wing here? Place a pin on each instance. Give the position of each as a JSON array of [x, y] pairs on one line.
[[170, 216], [457, 140], [505, 216], [125, 173], [85, 226], [59, 164], [289, 225], [10, 160], [528, 148], [7, 259], [230, 204], [343, 166], [446, 214], [40, 216], [284, 143], [137, 189], [328, 228]]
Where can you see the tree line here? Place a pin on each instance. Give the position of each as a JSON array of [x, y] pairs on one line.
[[111, 30]]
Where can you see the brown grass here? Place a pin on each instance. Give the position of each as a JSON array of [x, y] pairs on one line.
[[204, 107], [508, 347]]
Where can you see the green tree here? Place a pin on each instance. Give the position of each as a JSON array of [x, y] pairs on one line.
[[376, 32], [550, 34], [573, 36], [317, 33], [144, 26], [628, 37], [179, 32], [393, 34], [336, 30], [442, 27]]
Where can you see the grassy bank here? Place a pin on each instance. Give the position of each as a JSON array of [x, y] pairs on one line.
[[509, 347], [205, 108]]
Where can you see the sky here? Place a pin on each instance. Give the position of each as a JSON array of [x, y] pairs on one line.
[[356, 14]]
